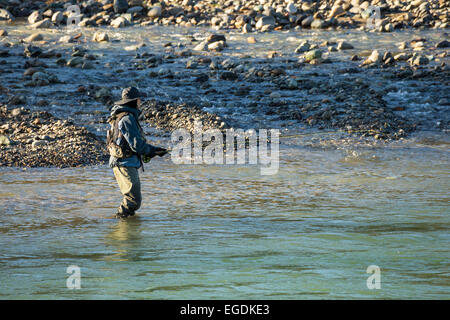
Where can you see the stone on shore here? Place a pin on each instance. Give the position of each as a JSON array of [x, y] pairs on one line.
[[119, 22], [34, 37], [3, 33], [5, 15], [100, 37], [57, 17], [154, 12], [342, 45], [4, 140], [120, 6], [313, 55], [43, 24], [34, 17]]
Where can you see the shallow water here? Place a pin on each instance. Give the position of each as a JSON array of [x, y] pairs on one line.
[[214, 232]]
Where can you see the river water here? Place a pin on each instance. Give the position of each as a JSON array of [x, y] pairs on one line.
[[227, 232]]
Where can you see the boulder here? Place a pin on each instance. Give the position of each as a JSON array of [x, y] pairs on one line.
[[34, 37], [100, 37], [34, 17], [4, 140], [265, 21], [43, 24], [313, 55], [342, 45], [119, 22], [120, 6], [154, 12], [5, 15], [57, 17]]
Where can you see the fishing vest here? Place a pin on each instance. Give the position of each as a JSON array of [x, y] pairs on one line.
[[121, 150]]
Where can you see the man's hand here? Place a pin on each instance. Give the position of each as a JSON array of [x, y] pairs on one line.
[[161, 152]]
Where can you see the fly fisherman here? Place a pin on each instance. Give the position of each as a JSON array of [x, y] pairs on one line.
[[127, 147]]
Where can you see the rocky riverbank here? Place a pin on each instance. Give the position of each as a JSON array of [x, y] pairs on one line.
[[38, 139], [248, 16], [374, 84]]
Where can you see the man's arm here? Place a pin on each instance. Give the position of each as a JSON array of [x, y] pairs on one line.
[[130, 131]]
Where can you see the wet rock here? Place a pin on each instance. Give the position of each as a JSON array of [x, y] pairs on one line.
[[3, 33], [228, 75], [291, 8], [202, 46], [443, 44], [100, 37], [265, 21], [154, 12], [342, 45], [38, 143], [317, 24], [135, 10], [120, 6], [336, 11], [4, 140], [313, 55], [34, 17], [34, 37], [75, 61], [5, 15], [419, 61], [66, 39], [375, 57], [57, 17], [119, 22], [32, 51], [44, 24], [216, 46], [17, 100], [251, 40], [40, 79], [103, 94], [304, 46]]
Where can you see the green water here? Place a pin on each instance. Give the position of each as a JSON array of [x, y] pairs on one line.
[[226, 232]]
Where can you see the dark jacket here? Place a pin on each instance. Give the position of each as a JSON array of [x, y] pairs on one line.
[[134, 135]]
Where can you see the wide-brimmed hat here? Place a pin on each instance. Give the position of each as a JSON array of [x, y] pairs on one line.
[[128, 95]]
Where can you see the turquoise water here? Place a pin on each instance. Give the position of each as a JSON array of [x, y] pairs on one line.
[[226, 232]]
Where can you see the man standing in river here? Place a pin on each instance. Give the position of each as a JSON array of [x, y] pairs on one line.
[[127, 146]]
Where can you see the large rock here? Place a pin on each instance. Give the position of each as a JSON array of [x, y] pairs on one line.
[[34, 17], [313, 55], [119, 22], [4, 140], [5, 15], [154, 12], [304, 46], [443, 44], [291, 8], [342, 45], [34, 37], [317, 24], [265, 21], [57, 17], [44, 24], [120, 6], [40, 79], [100, 37], [375, 57]]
